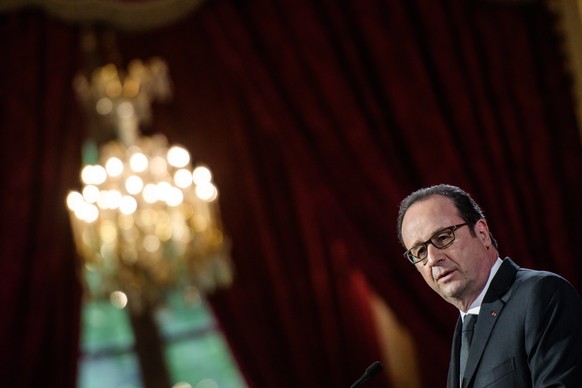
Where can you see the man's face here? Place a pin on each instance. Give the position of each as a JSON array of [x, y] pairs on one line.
[[459, 272]]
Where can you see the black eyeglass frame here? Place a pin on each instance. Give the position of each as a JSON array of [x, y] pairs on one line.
[[408, 254]]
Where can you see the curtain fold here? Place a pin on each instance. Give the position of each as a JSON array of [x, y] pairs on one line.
[[316, 118], [39, 157]]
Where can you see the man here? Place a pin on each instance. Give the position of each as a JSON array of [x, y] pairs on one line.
[[529, 323]]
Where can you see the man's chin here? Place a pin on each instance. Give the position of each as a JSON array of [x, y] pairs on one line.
[[450, 290]]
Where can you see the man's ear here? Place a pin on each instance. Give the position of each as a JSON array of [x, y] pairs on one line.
[[482, 231]]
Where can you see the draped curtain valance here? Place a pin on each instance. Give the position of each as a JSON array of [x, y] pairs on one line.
[[131, 15]]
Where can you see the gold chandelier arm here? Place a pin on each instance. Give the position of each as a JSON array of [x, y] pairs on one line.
[[122, 15]]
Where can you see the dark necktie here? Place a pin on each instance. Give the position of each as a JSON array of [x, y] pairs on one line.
[[467, 337]]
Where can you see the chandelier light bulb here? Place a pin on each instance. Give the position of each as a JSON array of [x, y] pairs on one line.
[[201, 175], [109, 199], [75, 200], [91, 193], [150, 193], [104, 106], [178, 157], [138, 162], [118, 299], [158, 166], [86, 175], [174, 197], [88, 213], [128, 205], [93, 174], [134, 185], [164, 190], [99, 174], [183, 178], [206, 192], [114, 167]]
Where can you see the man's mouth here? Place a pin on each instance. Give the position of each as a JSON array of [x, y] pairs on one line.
[[444, 276]]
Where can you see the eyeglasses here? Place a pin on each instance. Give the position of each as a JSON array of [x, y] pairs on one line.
[[441, 239]]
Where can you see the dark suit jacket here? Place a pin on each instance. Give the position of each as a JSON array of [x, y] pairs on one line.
[[528, 334]]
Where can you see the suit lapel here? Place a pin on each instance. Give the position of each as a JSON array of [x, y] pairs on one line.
[[485, 323], [491, 308]]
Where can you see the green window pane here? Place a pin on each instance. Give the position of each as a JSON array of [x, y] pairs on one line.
[[113, 371], [196, 352], [203, 358]]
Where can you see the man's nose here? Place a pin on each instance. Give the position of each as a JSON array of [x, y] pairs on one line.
[[434, 255]]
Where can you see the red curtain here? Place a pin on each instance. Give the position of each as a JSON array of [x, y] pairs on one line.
[[316, 118]]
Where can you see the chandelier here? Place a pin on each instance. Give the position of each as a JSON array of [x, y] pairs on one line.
[[146, 219]]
